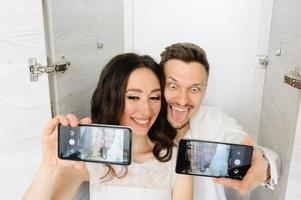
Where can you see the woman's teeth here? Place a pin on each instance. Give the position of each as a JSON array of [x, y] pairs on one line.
[[141, 121]]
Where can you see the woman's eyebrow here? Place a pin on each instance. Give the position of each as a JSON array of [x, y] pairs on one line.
[[156, 90], [134, 90], [140, 91]]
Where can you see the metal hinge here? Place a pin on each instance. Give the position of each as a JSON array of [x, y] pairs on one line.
[[293, 78], [263, 60], [36, 69]]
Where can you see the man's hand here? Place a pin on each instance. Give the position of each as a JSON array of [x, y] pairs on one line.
[[257, 174]]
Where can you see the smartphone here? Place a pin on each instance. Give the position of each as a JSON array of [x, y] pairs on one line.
[[213, 159], [95, 143]]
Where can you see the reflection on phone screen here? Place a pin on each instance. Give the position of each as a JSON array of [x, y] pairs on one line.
[[207, 158], [103, 144], [90, 143]]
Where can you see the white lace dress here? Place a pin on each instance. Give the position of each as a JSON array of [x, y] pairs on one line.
[[150, 180]]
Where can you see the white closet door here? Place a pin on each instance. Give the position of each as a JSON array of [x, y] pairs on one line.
[[88, 33]]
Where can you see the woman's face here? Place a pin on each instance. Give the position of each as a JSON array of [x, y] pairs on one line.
[[142, 101]]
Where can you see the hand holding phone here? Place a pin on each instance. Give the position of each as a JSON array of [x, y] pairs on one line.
[[95, 143], [50, 138], [213, 159]]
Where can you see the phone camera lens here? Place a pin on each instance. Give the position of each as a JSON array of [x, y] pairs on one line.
[[71, 132], [235, 171], [236, 162], [71, 141]]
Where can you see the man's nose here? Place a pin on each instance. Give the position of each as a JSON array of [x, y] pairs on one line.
[[182, 97]]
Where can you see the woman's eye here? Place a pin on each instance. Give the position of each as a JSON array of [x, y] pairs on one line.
[[156, 98], [133, 97]]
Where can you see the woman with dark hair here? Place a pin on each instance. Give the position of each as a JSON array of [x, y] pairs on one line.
[[130, 93]]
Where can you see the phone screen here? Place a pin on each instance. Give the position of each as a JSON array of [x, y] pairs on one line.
[[213, 159], [95, 143]]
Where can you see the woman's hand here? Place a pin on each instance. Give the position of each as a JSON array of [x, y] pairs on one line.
[[54, 180], [50, 145]]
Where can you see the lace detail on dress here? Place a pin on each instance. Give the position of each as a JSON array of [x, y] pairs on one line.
[[151, 174]]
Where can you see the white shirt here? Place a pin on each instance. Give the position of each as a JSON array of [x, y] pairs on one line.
[[212, 124]]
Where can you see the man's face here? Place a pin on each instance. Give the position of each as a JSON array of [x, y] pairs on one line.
[[184, 91], [109, 138]]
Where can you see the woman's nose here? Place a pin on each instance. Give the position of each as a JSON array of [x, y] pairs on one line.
[[145, 108]]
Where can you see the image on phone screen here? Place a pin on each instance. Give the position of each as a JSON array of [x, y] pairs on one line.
[[95, 143], [213, 159]]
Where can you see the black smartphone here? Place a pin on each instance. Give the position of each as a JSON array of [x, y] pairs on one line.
[[213, 159], [95, 143]]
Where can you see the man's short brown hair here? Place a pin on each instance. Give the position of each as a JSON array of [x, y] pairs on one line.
[[186, 52]]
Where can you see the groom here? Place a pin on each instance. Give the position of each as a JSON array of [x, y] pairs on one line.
[[186, 70]]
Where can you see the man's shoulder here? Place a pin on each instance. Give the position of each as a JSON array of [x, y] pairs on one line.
[[209, 116], [206, 123], [207, 111], [211, 123], [210, 109]]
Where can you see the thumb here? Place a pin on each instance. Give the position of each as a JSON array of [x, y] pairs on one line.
[[248, 141], [79, 165]]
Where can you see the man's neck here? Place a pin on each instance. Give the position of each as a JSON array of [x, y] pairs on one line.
[[181, 132]]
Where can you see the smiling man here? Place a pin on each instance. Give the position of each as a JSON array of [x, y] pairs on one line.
[[186, 70], [185, 88]]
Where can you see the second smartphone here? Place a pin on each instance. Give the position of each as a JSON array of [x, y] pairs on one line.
[[95, 143], [213, 159]]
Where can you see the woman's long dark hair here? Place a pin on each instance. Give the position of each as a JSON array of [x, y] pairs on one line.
[[108, 100]]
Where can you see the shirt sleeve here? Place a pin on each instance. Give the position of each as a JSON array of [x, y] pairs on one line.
[[275, 164], [233, 133]]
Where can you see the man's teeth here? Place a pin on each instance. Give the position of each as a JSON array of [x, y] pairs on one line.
[[180, 109], [142, 121]]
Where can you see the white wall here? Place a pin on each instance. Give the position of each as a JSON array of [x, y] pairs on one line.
[[227, 30], [24, 106]]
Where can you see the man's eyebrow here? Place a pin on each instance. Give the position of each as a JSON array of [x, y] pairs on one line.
[[194, 84], [197, 84], [173, 79]]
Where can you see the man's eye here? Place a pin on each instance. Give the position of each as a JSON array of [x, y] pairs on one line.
[[172, 86], [133, 97], [195, 89]]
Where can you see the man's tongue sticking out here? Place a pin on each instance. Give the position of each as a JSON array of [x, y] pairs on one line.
[[179, 114]]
